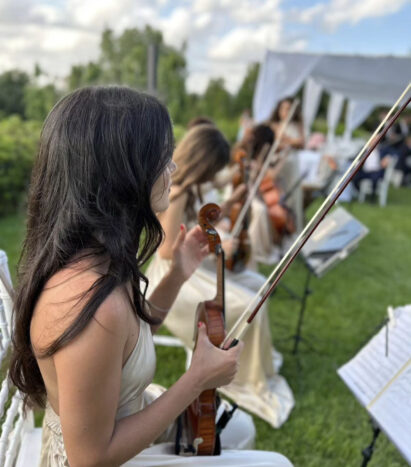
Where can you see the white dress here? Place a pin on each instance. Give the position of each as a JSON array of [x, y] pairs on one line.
[[136, 375]]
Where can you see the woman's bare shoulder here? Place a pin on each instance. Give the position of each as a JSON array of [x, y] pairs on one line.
[[63, 298]]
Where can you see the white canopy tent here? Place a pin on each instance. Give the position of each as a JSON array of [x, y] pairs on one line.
[[366, 81]]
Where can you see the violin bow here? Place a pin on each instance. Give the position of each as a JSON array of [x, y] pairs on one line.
[[241, 325], [270, 158]]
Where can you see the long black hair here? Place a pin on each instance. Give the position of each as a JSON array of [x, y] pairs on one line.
[[275, 114], [101, 150]]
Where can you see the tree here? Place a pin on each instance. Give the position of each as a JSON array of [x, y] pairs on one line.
[[12, 84], [217, 101], [123, 60], [38, 101], [18, 145], [244, 97]]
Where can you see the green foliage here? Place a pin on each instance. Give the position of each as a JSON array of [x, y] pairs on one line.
[[123, 60], [229, 128], [217, 101], [39, 101], [18, 144], [12, 85], [179, 131], [244, 97]]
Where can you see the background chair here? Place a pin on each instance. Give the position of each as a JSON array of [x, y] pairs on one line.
[[382, 185], [20, 441]]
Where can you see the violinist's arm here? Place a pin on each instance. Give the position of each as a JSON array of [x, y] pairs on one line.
[[188, 251], [237, 195], [225, 176], [185, 250], [297, 143]]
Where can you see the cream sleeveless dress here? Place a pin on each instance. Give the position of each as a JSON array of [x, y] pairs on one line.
[[136, 376]]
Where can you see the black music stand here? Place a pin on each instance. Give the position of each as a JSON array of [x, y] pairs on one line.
[[335, 238]]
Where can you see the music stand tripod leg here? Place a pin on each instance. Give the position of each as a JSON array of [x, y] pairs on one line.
[[369, 450], [298, 337]]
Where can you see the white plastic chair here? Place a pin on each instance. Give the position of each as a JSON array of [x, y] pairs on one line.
[[20, 442], [382, 185]]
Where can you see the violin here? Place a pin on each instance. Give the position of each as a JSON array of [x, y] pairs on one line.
[[241, 255], [200, 416]]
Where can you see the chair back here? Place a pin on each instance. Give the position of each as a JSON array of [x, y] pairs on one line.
[[15, 424]]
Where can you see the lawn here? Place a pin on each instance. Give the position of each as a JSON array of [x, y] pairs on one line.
[[327, 427]]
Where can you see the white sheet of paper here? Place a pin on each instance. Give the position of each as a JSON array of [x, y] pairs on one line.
[[383, 383]]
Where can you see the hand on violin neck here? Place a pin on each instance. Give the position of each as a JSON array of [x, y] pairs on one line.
[[189, 249], [230, 246], [212, 367], [239, 194]]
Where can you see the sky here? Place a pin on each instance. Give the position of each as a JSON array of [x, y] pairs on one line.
[[223, 36]]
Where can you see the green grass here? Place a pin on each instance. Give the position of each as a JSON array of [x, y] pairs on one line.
[[327, 427]]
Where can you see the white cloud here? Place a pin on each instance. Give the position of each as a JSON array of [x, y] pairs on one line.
[[246, 43], [202, 21], [223, 36], [248, 11], [47, 14], [177, 28], [55, 48], [338, 12]]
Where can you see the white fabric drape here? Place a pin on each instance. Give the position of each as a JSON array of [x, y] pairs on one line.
[[334, 110], [311, 102], [357, 112], [279, 78], [379, 79]]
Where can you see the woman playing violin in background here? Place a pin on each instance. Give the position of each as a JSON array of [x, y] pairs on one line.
[[292, 139]]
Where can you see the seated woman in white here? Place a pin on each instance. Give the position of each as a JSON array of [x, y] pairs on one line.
[[257, 386], [293, 138], [83, 327]]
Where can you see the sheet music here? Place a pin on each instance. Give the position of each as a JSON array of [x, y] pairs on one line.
[[382, 383]]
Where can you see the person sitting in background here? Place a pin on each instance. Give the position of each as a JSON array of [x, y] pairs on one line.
[[397, 143], [294, 134], [293, 139], [373, 169]]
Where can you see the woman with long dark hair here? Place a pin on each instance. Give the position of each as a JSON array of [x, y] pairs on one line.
[[82, 325]]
